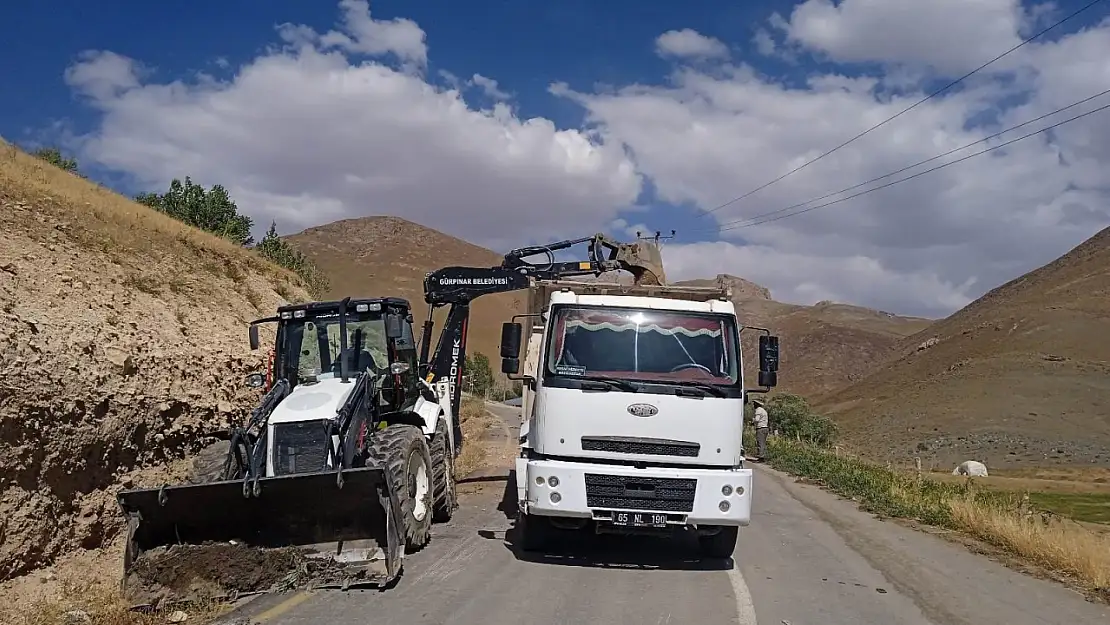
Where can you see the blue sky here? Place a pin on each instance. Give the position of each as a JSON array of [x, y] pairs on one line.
[[700, 131]]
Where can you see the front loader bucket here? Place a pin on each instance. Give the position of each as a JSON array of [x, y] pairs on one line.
[[348, 535]]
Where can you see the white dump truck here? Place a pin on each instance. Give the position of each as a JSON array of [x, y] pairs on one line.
[[633, 411]]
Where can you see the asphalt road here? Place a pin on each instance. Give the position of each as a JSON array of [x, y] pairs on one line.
[[808, 558]]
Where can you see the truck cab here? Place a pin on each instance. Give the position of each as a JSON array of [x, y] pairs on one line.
[[633, 412]]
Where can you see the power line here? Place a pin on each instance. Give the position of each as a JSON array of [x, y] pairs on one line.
[[905, 110], [900, 180], [908, 167]]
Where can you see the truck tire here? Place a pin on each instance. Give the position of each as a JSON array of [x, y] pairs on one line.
[[443, 476], [402, 451], [721, 544], [533, 531]]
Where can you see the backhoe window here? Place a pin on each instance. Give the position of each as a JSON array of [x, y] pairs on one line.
[[643, 344], [312, 346]]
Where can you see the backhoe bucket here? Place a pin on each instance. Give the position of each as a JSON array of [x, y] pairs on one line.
[[344, 535], [644, 261]]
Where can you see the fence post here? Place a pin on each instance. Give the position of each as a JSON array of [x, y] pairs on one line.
[[917, 463], [837, 448]]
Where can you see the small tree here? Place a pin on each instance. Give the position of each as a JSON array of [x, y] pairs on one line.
[[793, 418], [210, 210], [479, 372], [54, 157], [278, 251]]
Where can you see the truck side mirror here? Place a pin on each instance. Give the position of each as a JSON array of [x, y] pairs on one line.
[[768, 360], [394, 328], [510, 341], [510, 365], [252, 334]]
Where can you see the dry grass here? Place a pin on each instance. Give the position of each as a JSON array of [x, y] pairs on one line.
[[1052, 542], [475, 420], [91, 603], [1001, 518], [110, 223]]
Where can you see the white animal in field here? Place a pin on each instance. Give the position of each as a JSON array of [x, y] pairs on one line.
[[971, 468]]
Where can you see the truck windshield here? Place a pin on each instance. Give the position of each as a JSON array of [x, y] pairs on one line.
[[311, 346], [643, 344]]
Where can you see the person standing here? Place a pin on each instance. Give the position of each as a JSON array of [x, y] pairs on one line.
[[762, 425]]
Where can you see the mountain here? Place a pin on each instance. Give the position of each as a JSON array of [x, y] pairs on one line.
[[823, 346], [389, 256], [1020, 376]]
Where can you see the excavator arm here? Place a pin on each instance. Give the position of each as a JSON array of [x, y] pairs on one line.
[[457, 287]]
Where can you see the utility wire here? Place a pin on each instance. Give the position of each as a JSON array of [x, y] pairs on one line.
[[922, 173], [905, 110], [908, 167]]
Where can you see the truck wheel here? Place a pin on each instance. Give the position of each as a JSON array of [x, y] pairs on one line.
[[534, 531], [402, 451], [443, 476], [721, 544]]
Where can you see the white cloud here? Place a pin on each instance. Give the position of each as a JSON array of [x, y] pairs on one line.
[[306, 135], [950, 36], [689, 43], [489, 87], [923, 247], [361, 34]]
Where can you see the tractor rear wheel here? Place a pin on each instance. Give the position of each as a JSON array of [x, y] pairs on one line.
[[443, 475], [403, 452]]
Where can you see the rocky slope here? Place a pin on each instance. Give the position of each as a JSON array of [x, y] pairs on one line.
[[1019, 377], [122, 341]]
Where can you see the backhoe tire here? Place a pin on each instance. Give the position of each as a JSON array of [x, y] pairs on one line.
[[443, 476], [402, 451], [719, 545], [211, 464]]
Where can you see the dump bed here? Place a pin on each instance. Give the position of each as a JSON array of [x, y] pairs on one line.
[[540, 292]]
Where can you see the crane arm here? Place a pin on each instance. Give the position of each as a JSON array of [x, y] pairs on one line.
[[459, 286]]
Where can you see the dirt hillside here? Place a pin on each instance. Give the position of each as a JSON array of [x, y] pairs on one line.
[[823, 346], [1019, 377], [388, 256], [123, 341]]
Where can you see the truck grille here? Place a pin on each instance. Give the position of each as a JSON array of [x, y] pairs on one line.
[[646, 446], [300, 447], [640, 493]]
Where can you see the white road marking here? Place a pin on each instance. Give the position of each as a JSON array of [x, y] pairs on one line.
[[745, 609]]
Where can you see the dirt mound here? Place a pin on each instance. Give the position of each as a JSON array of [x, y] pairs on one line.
[[122, 343], [1020, 377], [200, 572]]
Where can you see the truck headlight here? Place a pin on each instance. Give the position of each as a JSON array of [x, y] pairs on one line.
[[553, 481], [556, 497], [724, 506], [726, 490]]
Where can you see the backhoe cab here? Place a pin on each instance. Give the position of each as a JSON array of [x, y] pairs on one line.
[[349, 453]]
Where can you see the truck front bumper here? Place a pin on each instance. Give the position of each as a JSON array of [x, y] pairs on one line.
[[585, 490]]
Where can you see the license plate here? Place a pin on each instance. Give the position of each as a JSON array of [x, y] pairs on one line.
[[639, 519]]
